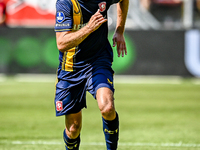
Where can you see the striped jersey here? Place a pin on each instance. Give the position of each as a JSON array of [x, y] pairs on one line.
[[72, 15]]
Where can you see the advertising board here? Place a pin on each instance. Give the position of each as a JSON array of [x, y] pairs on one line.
[[173, 53], [30, 13]]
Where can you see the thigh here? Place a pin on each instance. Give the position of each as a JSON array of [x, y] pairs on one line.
[[70, 96], [100, 78], [106, 103], [105, 98]]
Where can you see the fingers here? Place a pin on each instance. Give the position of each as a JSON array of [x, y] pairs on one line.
[[98, 17], [121, 46], [121, 49], [114, 42], [96, 21], [124, 50], [98, 11]]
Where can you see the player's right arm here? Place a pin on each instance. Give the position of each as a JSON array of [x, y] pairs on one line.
[[69, 39]]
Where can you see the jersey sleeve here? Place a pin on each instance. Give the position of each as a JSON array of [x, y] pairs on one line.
[[64, 16]]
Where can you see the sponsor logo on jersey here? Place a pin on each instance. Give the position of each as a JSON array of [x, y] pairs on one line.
[[59, 106], [60, 17], [77, 27], [102, 6], [62, 25]]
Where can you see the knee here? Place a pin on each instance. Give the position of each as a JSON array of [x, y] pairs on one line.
[[73, 130], [105, 101], [108, 114], [73, 124], [108, 111]]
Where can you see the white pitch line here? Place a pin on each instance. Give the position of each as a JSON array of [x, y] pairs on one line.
[[118, 79], [129, 79], [2, 78], [196, 81], [35, 77], [180, 144]]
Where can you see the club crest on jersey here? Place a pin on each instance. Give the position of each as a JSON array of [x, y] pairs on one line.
[[102, 6], [59, 106], [60, 17]]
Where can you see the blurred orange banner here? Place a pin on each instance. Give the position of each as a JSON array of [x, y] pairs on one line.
[[30, 13]]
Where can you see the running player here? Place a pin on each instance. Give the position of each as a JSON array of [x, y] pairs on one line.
[[86, 57]]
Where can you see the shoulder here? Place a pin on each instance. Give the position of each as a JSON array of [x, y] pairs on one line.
[[64, 2], [64, 5]]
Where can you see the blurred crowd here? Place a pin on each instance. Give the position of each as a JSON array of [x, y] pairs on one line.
[[170, 10], [162, 10]]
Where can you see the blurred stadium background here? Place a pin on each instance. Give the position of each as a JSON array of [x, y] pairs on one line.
[[158, 80], [162, 38]]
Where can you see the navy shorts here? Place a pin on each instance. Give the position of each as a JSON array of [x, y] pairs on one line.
[[71, 88]]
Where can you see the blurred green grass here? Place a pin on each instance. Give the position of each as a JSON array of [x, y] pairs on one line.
[[149, 113]]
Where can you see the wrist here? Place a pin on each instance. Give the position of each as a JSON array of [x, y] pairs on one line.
[[88, 28], [119, 30]]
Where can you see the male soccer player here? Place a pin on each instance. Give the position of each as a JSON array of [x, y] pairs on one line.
[[86, 57]]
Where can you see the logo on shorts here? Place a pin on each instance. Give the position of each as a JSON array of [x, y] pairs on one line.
[[59, 106], [102, 6], [60, 17], [109, 81]]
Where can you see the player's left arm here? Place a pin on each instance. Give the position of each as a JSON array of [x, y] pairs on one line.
[[118, 38]]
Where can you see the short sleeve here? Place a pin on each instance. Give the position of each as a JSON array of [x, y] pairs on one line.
[[64, 16]]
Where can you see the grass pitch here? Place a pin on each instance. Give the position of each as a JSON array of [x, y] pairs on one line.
[[152, 117]]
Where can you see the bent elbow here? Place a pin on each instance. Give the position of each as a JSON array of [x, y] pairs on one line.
[[61, 48]]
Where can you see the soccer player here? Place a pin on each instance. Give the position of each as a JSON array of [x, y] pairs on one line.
[[86, 56]]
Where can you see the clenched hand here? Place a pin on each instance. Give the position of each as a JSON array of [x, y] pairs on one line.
[[96, 21]]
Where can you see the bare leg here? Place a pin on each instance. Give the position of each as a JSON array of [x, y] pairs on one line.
[[109, 117], [72, 131], [106, 103]]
